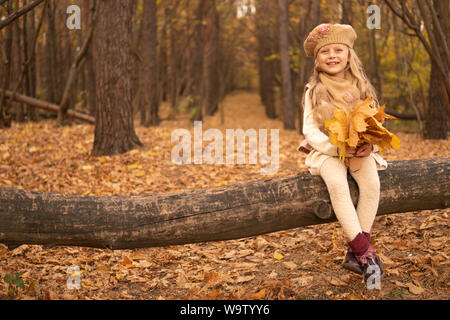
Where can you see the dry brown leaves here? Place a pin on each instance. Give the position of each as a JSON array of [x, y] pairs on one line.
[[293, 264]]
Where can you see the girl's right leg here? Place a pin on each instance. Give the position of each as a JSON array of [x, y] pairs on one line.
[[334, 173]]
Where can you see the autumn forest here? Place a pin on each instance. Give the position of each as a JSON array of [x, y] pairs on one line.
[[95, 96]]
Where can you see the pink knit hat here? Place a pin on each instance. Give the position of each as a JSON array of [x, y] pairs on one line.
[[328, 33]]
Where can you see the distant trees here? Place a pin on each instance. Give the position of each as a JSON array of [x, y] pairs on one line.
[[192, 53], [431, 17]]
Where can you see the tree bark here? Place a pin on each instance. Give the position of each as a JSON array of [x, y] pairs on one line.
[[90, 64], [52, 59], [266, 69], [436, 122], [19, 63], [5, 118], [210, 67], [311, 19], [221, 213], [31, 112], [114, 126], [199, 42], [288, 98], [347, 14], [150, 67]]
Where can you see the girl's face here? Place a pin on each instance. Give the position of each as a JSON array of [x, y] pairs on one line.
[[333, 59]]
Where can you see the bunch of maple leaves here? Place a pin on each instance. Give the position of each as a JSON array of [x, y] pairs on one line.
[[363, 124]]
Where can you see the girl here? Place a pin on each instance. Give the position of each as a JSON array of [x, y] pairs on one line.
[[339, 81]]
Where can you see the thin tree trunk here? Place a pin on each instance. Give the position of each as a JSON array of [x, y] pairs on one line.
[[4, 116], [198, 62], [75, 68], [32, 112], [51, 53], [210, 68], [266, 68], [19, 65], [436, 124], [347, 14], [288, 99], [150, 66]]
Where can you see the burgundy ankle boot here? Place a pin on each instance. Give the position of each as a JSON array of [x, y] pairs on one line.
[[364, 253], [350, 261]]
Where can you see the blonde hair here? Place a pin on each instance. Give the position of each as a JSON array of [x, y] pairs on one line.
[[319, 93]]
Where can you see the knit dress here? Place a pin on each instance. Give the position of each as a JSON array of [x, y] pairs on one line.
[[317, 144]]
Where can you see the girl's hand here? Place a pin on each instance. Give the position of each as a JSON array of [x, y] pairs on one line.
[[364, 150], [350, 152]]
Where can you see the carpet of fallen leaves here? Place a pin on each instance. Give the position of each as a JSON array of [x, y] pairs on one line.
[[302, 263]]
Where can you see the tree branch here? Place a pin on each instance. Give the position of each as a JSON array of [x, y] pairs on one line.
[[19, 13], [439, 29]]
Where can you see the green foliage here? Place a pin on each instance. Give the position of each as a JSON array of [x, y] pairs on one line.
[[398, 292], [185, 104], [14, 282]]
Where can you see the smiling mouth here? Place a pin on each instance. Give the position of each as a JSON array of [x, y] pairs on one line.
[[333, 63]]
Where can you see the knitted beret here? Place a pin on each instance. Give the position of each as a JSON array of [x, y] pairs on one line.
[[328, 33]]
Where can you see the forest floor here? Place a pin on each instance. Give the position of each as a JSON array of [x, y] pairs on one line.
[[302, 263]]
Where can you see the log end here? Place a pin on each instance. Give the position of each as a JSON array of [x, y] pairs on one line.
[[323, 210]]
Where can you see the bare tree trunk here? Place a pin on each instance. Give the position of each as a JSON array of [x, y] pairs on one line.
[[266, 68], [162, 58], [19, 64], [310, 20], [210, 68], [436, 124], [288, 99], [51, 54], [75, 67], [347, 14], [376, 70], [91, 83], [175, 53], [5, 118], [150, 67], [198, 62], [114, 126], [32, 112]]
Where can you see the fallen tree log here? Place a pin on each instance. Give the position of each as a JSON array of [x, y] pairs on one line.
[[221, 213], [48, 106]]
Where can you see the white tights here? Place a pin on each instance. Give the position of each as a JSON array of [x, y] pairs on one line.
[[334, 173]]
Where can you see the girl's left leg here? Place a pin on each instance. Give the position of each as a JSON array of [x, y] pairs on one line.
[[369, 191], [369, 197]]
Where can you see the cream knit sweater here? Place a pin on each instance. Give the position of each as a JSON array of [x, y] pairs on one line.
[[319, 144]]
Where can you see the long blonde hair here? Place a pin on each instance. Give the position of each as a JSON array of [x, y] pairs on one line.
[[319, 93]]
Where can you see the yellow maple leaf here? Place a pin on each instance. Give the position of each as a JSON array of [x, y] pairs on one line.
[[338, 131], [357, 121], [381, 115], [363, 124]]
